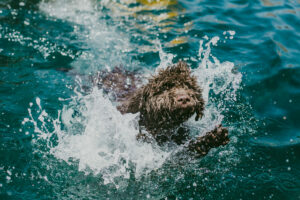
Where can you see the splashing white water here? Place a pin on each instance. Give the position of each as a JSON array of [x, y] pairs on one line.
[[106, 143], [165, 58], [215, 75], [90, 130], [103, 141], [218, 78], [108, 140]]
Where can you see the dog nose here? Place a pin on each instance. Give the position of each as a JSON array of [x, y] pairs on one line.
[[183, 99]]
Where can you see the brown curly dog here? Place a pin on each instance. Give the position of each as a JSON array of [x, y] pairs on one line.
[[170, 98]]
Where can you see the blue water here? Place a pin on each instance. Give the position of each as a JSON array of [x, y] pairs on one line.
[[60, 140]]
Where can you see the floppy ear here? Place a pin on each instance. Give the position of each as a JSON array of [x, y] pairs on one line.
[[133, 104], [199, 109], [198, 115]]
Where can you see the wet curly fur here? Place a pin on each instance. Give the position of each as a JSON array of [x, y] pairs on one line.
[[156, 101], [170, 98]]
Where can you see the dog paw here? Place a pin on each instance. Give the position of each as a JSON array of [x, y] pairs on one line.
[[216, 137]]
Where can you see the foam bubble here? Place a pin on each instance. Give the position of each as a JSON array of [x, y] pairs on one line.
[[217, 77], [90, 130], [106, 143]]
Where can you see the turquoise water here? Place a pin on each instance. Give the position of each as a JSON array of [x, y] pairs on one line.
[[60, 140]]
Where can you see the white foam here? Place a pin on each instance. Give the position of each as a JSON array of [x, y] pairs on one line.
[[231, 34], [103, 141], [107, 143], [165, 58], [217, 77], [89, 129]]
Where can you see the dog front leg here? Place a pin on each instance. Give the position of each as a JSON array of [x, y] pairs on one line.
[[212, 139]]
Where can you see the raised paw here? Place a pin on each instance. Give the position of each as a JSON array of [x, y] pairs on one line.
[[212, 139], [216, 137]]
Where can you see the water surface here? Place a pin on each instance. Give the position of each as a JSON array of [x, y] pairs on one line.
[[61, 141]]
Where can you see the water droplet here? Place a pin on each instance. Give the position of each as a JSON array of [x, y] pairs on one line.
[[284, 118], [231, 33], [26, 23], [38, 101]]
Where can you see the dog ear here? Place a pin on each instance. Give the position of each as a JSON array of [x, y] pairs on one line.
[[199, 109], [198, 115], [133, 104]]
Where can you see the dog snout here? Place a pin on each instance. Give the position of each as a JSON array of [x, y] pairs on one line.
[[183, 99]]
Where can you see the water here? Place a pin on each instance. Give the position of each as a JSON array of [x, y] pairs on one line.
[[61, 141]]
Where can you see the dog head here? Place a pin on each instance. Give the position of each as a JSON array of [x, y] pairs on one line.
[[170, 98]]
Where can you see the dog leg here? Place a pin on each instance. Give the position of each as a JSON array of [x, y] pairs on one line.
[[212, 139]]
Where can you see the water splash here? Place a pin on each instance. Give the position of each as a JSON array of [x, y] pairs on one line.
[[90, 130], [218, 78], [106, 142], [165, 58]]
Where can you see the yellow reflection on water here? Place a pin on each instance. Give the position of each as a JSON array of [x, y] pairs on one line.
[[157, 3], [160, 15], [177, 41], [270, 3]]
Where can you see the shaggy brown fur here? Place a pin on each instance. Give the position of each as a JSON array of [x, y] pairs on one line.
[[162, 102], [170, 98]]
